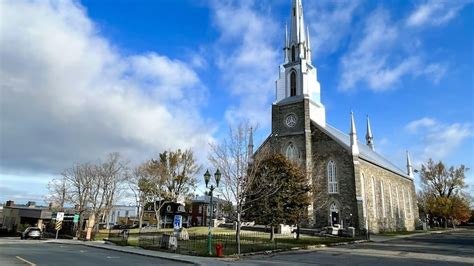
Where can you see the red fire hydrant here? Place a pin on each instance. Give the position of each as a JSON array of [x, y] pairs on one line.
[[219, 250]]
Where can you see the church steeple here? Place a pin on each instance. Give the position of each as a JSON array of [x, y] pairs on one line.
[[353, 135], [368, 137], [298, 77]]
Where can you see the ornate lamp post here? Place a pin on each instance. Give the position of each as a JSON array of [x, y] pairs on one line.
[[207, 178]]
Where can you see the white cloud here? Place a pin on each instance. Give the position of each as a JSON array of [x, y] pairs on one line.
[[378, 60], [68, 96], [247, 58], [325, 16], [437, 140], [413, 126], [435, 13]]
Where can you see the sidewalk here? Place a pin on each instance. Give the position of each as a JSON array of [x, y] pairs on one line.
[[149, 253], [382, 238]]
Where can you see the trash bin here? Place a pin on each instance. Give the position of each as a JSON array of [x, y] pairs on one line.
[[219, 250]]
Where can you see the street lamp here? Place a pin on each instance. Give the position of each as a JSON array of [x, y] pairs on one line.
[[207, 178]]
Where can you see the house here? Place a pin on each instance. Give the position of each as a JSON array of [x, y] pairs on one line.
[[121, 215], [17, 216], [167, 213], [200, 210]]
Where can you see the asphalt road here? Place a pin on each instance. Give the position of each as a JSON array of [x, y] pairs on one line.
[[453, 248], [33, 252]]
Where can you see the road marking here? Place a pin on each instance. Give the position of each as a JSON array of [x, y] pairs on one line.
[[25, 261], [112, 257]]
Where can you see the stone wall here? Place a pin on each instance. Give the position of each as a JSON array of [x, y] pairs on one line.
[[394, 208], [326, 149]]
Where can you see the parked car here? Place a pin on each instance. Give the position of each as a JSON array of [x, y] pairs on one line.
[[32, 232]]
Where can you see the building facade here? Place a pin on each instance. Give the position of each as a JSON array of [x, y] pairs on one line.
[[353, 184], [19, 216]]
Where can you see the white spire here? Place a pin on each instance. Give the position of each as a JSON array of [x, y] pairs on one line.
[[298, 34], [308, 48], [353, 136], [409, 167], [250, 146], [368, 137], [287, 46]]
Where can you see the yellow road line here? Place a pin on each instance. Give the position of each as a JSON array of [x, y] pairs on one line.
[[25, 261]]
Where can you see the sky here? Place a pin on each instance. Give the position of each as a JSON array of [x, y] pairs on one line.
[[81, 79]]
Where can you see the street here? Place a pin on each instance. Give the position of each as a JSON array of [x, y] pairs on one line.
[[453, 248], [33, 252]]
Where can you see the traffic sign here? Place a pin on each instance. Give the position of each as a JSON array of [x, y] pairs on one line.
[[59, 216], [76, 218], [178, 222]]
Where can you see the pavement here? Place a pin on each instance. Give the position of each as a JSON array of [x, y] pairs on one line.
[[430, 248]]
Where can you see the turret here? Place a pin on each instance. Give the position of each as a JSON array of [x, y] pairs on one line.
[[409, 167], [353, 136], [368, 137]]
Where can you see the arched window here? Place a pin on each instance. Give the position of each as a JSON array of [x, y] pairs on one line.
[[293, 54], [374, 199], [332, 178], [391, 201], [404, 204], [293, 83], [383, 198], [398, 202], [292, 153], [362, 191]]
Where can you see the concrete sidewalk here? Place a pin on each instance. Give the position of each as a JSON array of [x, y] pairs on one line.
[[382, 238], [150, 253]]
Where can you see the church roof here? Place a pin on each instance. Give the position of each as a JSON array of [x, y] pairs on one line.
[[366, 153]]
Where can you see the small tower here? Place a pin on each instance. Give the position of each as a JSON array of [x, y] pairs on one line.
[[250, 147], [409, 167], [368, 137], [353, 135]]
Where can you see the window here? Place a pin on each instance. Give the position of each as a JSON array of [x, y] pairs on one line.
[[332, 178], [293, 84], [292, 153], [293, 54], [374, 202], [294, 12], [391, 201], [404, 204], [168, 208], [362, 191], [200, 209], [398, 203], [409, 205], [126, 213], [383, 199]]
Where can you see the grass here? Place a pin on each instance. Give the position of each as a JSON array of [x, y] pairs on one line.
[[250, 241]]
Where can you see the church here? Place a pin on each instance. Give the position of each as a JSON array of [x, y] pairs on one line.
[[353, 184]]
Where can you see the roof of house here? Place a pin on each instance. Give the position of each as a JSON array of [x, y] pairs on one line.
[[205, 199], [366, 153]]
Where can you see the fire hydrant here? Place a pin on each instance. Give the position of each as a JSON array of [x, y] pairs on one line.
[[219, 250]]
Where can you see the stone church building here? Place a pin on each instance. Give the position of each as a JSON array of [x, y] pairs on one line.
[[354, 185]]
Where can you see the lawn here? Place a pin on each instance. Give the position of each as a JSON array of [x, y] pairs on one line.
[[400, 233], [250, 241]]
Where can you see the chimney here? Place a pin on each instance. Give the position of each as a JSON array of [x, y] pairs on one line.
[[9, 203]]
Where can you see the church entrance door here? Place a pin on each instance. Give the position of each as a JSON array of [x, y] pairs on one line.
[[334, 211]]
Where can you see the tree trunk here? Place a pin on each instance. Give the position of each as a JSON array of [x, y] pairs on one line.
[[297, 231], [90, 226], [237, 233], [272, 233], [140, 218]]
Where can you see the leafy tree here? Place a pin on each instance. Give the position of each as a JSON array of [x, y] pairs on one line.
[[443, 193], [287, 195]]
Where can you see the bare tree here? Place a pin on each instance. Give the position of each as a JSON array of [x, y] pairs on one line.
[[234, 158], [142, 185]]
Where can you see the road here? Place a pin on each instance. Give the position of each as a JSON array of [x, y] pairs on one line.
[[34, 252], [453, 248]]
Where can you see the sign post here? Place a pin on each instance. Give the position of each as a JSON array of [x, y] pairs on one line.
[[59, 222], [177, 223]]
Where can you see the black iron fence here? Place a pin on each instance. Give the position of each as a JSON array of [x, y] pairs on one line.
[[196, 244]]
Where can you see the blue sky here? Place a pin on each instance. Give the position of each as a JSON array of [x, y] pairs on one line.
[[80, 79]]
